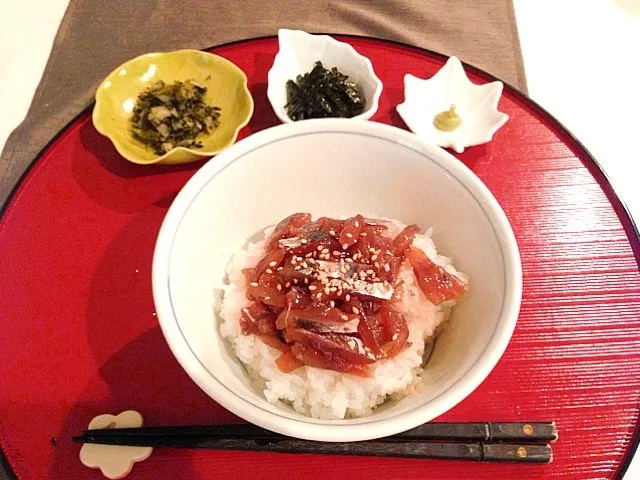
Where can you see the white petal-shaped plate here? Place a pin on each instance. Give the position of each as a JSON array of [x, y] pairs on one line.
[[299, 51], [477, 106]]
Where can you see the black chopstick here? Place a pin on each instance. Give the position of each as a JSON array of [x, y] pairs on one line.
[[527, 432], [423, 442], [474, 451]]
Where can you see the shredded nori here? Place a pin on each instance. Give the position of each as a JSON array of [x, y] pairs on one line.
[[169, 116], [323, 93]]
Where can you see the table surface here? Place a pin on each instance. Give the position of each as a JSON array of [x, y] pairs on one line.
[[574, 50]]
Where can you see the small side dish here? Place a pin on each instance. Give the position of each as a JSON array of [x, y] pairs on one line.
[[332, 316], [317, 76], [451, 111], [173, 115], [173, 107]]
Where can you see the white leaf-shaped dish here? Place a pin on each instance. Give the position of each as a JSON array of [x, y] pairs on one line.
[[298, 53], [476, 105]]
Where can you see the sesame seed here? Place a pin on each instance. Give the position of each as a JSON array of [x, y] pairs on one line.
[[363, 234], [295, 280], [327, 290], [372, 250], [349, 235], [395, 336], [325, 251], [370, 272], [374, 258], [339, 293], [279, 287], [296, 268], [387, 267], [332, 233], [305, 265], [320, 248], [336, 253], [299, 259], [356, 311], [306, 281], [347, 297], [287, 285], [377, 265], [267, 298], [279, 269], [345, 246], [319, 295], [254, 284], [333, 289], [293, 261], [312, 287], [273, 264], [348, 260], [268, 270], [344, 317], [308, 255], [356, 224], [303, 240]]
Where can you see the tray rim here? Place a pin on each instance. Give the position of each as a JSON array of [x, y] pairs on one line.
[[5, 467]]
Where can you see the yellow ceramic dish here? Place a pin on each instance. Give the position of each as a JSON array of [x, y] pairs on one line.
[[226, 87]]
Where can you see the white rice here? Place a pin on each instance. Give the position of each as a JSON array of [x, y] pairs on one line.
[[323, 393]]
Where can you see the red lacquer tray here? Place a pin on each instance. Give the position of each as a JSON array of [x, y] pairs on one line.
[[79, 337]]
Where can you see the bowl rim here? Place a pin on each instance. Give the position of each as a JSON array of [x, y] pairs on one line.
[[280, 111], [331, 430], [97, 123]]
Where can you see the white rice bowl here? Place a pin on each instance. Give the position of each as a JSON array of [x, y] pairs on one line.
[[326, 394]]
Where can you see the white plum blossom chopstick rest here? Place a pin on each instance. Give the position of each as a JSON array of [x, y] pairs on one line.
[[114, 461], [448, 94]]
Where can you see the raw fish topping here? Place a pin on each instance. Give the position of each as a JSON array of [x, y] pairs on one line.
[[324, 292]]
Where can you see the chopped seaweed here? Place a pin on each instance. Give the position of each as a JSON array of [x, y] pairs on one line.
[[323, 93]]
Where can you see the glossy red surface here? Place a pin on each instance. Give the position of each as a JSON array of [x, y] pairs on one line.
[[79, 336]]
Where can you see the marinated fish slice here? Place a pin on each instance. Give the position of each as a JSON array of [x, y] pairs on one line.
[[328, 327], [344, 273]]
